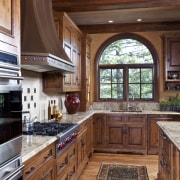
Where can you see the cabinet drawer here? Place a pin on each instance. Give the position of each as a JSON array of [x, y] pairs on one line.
[[62, 163], [38, 161]]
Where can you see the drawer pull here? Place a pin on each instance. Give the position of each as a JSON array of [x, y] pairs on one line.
[[46, 157], [62, 165], [163, 136], [30, 171], [71, 155], [70, 174], [164, 164]]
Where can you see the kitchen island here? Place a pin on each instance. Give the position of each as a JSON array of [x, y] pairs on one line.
[[169, 150]]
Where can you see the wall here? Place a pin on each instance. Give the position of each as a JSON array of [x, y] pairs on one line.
[[154, 37], [34, 99]]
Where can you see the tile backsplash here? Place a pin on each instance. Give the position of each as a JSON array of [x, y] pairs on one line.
[[34, 99]]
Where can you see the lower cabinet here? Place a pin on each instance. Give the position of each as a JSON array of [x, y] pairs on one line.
[[89, 142], [126, 133], [99, 122], [153, 130], [66, 164], [82, 156], [41, 166], [118, 133], [169, 159]]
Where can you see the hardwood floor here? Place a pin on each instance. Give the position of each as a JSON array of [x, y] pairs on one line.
[[92, 168]]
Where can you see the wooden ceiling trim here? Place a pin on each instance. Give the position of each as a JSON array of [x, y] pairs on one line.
[[134, 27], [94, 5]]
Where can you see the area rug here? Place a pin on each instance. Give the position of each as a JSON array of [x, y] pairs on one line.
[[116, 171]]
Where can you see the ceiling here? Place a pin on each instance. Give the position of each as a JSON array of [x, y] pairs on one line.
[[93, 16]]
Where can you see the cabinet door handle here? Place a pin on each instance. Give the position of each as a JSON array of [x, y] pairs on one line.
[[125, 131]]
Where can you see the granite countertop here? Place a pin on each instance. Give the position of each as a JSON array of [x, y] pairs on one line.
[[172, 130], [33, 144]]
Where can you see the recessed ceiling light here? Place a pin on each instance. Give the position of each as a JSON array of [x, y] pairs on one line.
[[139, 20], [110, 21]]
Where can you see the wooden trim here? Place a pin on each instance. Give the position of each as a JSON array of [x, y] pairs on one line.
[[133, 27]]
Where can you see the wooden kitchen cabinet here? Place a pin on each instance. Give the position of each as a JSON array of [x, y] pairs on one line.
[[89, 136], [70, 38], [86, 59], [66, 164], [126, 133], [169, 158], [10, 26], [172, 63], [153, 130], [41, 166], [99, 122], [82, 156]]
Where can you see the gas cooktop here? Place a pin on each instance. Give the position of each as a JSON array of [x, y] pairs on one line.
[[49, 128]]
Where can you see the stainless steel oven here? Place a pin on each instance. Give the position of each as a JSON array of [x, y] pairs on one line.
[[10, 117]]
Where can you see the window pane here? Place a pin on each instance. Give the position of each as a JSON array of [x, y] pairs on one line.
[[105, 75], [126, 51], [117, 75], [117, 91], [134, 89], [105, 91], [134, 75], [146, 91], [146, 75]]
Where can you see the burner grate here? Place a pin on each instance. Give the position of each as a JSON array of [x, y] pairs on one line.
[[49, 128]]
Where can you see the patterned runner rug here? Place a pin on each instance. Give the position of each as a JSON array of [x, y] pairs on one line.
[[115, 171]]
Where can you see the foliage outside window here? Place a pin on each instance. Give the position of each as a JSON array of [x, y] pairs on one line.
[[126, 66]]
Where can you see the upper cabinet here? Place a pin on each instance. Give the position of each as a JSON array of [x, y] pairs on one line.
[[86, 59], [70, 38], [172, 61], [10, 26]]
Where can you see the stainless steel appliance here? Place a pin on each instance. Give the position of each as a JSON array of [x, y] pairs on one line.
[[66, 133], [10, 117]]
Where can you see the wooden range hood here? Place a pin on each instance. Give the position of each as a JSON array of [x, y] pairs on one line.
[[40, 47]]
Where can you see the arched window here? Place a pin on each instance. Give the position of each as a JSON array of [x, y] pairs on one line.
[[127, 66]]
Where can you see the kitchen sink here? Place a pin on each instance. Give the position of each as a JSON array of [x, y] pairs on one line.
[[125, 110]]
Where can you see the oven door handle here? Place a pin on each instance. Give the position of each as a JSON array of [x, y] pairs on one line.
[[17, 174], [11, 77]]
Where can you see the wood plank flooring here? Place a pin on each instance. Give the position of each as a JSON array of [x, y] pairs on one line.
[[92, 168]]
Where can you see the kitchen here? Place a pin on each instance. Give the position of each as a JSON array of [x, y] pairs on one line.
[[36, 85]]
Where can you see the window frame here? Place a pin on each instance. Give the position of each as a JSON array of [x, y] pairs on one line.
[[151, 48]]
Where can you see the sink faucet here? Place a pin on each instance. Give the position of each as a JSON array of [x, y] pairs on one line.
[[128, 106]]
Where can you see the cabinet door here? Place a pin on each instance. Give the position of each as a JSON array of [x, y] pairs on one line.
[[10, 26], [48, 172], [85, 73], [89, 136], [116, 131], [172, 49], [136, 133], [81, 149], [99, 130]]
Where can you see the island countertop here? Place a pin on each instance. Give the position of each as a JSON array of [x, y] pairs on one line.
[[172, 130]]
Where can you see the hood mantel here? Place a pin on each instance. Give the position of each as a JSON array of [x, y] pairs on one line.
[[41, 50]]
